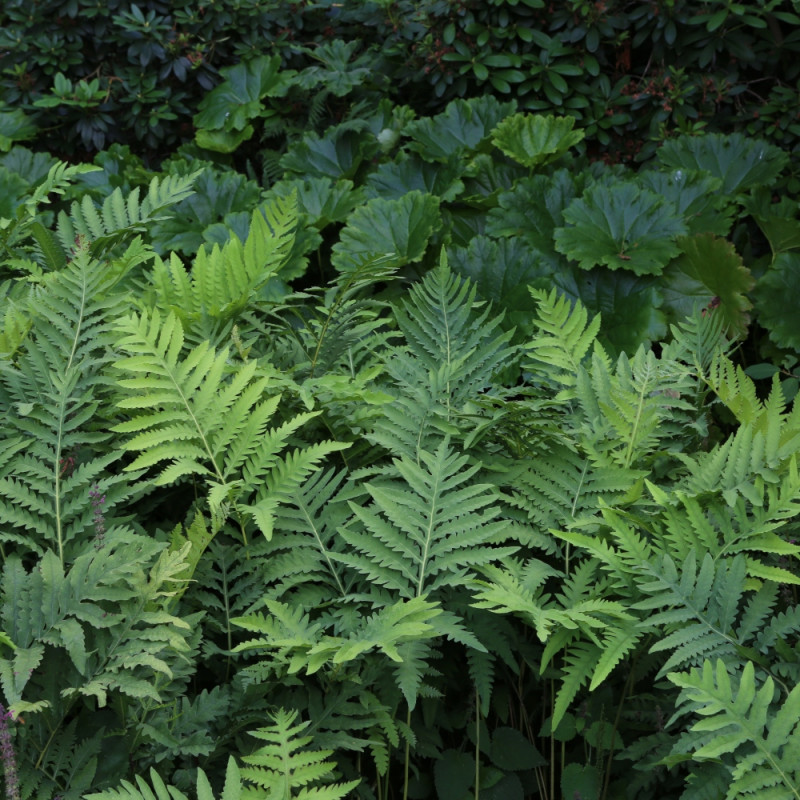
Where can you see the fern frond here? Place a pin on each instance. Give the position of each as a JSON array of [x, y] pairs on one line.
[[745, 725], [452, 355], [54, 389], [201, 423], [285, 763], [562, 342], [427, 528], [120, 217], [223, 281], [156, 789]]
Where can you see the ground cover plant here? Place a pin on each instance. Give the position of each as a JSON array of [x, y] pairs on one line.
[[406, 410], [251, 537]]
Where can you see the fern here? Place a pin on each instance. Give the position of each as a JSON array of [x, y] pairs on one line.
[[564, 338], [54, 390], [740, 725], [120, 217], [225, 280], [284, 768], [204, 425], [451, 356], [158, 790], [425, 530]]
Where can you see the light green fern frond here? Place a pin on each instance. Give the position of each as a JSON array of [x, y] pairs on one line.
[[120, 217], [427, 528], [741, 724], [452, 355], [54, 389], [563, 340], [625, 408], [156, 789], [284, 768], [202, 418], [224, 280]]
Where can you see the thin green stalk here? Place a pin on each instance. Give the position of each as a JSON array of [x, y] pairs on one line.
[[477, 744], [408, 756]]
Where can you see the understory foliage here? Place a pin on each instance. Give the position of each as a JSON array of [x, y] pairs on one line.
[[365, 541]]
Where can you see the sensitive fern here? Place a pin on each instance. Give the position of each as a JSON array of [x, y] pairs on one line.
[[205, 420]]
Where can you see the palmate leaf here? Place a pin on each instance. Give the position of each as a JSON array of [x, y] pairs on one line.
[[740, 162], [463, 126], [740, 720], [777, 295], [631, 305], [408, 173], [502, 271], [622, 226], [337, 154], [189, 415], [534, 140], [214, 195], [533, 208], [397, 228], [709, 273]]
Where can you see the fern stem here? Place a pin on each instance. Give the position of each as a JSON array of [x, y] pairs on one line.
[[477, 743], [407, 757]]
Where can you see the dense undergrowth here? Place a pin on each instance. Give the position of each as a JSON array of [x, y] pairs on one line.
[[400, 444]]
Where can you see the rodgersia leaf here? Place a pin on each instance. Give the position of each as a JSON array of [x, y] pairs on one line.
[[533, 140], [778, 300], [738, 161], [398, 228], [463, 125], [622, 226], [709, 272]]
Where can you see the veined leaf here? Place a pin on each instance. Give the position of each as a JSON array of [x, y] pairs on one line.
[[738, 161], [709, 273], [533, 140], [621, 226], [777, 296], [398, 228], [463, 125]]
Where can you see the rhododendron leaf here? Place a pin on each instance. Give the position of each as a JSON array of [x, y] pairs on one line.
[[622, 227], [534, 139]]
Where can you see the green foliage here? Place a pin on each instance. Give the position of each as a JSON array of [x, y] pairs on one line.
[[501, 551]]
